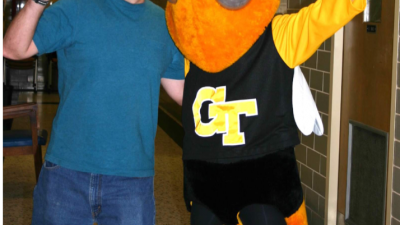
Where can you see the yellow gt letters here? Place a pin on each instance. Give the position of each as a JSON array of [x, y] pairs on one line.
[[224, 115]]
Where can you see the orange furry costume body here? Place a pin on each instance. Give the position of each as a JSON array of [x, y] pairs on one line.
[[214, 38]]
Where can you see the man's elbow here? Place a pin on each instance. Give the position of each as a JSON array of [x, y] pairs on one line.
[[14, 55], [179, 101], [178, 98], [10, 51]]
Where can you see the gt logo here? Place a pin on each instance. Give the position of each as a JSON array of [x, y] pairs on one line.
[[224, 115]]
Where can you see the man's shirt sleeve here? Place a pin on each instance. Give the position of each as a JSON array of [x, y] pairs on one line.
[[176, 70], [56, 27]]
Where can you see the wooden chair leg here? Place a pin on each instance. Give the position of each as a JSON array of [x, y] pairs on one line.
[[38, 162]]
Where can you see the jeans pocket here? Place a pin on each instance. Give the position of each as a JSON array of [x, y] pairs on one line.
[[50, 166]]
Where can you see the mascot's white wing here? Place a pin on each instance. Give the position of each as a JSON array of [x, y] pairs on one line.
[[305, 111]]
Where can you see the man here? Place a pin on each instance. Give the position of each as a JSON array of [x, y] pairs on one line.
[[112, 56]]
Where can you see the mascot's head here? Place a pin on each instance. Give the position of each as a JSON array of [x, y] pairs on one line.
[[213, 34]]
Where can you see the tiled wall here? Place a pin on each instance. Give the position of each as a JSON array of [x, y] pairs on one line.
[[312, 152], [396, 164]]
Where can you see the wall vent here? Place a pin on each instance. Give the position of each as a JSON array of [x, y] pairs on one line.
[[366, 175]]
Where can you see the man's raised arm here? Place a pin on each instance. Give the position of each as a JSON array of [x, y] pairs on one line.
[[18, 43]]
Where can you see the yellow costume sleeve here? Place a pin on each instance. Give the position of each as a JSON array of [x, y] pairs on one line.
[[297, 36]]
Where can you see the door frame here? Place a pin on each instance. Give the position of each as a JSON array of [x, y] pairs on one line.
[[335, 100], [389, 189]]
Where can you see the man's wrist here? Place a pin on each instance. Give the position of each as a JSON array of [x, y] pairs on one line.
[[33, 9], [41, 2]]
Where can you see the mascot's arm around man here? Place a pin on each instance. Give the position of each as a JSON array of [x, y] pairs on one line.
[[240, 151]]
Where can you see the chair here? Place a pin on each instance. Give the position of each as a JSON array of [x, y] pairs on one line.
[[24, 142]]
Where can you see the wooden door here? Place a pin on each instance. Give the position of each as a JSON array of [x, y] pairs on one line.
[[367, 76]]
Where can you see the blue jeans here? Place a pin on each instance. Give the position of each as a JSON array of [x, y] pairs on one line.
[[68, 197]]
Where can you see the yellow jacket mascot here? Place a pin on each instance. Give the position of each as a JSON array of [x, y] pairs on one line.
[[238, 107]]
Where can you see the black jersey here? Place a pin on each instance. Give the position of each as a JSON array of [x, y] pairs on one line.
[[242, 111]]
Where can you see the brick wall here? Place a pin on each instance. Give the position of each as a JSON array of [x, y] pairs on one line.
[[312, 152], [396, 164]]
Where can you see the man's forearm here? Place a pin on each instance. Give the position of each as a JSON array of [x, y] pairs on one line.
[[174, 89], [18, 42]]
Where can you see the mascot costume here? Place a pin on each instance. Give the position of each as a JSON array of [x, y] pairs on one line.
[[244, 100]]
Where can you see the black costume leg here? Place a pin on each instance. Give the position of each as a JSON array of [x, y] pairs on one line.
[[257, 214], [201, 215]]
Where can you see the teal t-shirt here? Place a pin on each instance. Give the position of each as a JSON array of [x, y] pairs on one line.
[[111, 58]]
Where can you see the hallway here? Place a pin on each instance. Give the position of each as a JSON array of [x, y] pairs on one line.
[[19, 175]]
